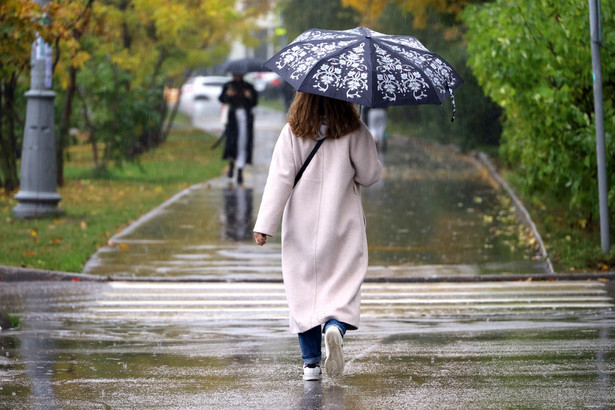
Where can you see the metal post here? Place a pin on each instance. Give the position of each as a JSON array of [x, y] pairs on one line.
[[596, 40], [37, 196]]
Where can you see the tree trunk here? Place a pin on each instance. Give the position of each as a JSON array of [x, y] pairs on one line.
[[169, 123], [8, 140], [65, 125], [91, 133]]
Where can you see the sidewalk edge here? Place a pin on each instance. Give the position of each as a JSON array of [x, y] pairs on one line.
[[17, 274]]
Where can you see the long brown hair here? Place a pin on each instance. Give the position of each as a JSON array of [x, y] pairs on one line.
[[307, 111]]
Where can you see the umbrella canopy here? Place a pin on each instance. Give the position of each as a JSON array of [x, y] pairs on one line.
[[365, 67], [244, 65]]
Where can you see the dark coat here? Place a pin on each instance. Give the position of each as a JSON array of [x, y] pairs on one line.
[[238, 101]]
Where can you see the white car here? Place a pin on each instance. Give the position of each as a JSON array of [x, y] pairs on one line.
[[207, 88], [266, 83]]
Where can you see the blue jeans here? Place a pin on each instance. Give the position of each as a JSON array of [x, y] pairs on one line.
[[311, 341]]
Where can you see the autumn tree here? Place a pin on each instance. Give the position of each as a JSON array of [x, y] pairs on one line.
[[20, 20], [138, 46], [419, 10], [112, 59]]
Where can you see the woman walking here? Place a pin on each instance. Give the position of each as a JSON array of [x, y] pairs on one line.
[[324, 244], [241, 98]]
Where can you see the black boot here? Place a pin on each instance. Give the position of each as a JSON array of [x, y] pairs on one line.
[[239, 176], [231, 167]]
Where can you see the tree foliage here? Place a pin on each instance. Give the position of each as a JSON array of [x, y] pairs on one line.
[[324, 14], [19, 21], [533, 58], [112, 60], [420, 10]]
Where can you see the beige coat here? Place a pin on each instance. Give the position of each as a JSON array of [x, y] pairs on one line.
[[324, 244]]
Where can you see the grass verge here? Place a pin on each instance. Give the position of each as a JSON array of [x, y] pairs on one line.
[[98, 207], [572, 242]]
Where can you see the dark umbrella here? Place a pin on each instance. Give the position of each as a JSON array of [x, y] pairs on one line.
[[366, 67], [243, 66]]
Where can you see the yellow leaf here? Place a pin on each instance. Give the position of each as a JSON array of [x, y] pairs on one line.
[[124, 246], [34, 232]]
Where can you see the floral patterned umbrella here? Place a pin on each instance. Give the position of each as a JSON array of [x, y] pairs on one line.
[[366, 67]]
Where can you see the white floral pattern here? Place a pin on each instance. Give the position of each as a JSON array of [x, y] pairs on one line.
[[366, 67]]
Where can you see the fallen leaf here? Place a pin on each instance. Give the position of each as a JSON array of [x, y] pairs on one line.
[[124, 246], [84, 225], [56, 241], [29, 254]]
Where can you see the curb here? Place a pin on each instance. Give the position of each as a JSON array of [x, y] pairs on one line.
[[522, 212], [15, 274]]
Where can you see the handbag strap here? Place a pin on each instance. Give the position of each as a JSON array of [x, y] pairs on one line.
[[307, 161]]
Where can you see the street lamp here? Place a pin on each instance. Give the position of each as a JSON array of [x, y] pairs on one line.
[[37, 196]]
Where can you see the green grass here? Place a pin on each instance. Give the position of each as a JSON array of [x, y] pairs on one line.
[[98, 207]]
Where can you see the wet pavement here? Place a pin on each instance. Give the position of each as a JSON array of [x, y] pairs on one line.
[[196, 315], [435, 213], [226, 345]]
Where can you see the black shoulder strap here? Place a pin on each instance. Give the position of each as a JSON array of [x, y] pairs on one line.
[[307, 161]]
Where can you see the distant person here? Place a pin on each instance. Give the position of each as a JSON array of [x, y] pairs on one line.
[[324, 243], [240, 97], [376, 120]]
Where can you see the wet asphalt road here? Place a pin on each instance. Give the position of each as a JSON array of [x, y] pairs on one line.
[[187, 345], [209, 340]]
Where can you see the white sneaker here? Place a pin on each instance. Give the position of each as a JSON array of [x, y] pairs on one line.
[[311, 373], [334, 363]]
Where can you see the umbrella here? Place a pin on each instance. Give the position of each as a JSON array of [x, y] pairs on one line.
[[365, 67], [244, 65]]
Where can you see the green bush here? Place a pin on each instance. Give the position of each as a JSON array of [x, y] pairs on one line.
[[533, 57]]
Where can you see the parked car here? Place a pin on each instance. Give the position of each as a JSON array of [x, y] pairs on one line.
[[267, 83], [207, 88]]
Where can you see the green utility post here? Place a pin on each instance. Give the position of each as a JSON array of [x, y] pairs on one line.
[[596, 40], [37, 196]]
